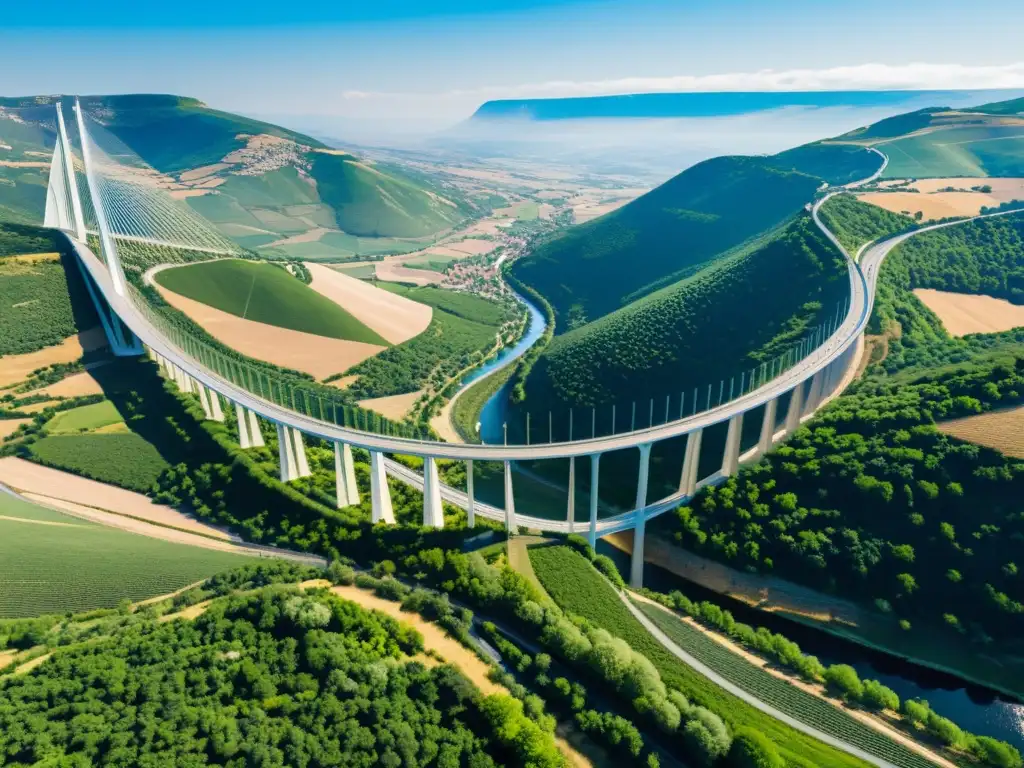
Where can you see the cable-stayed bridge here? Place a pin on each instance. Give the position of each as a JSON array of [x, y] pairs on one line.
[[119, 215]]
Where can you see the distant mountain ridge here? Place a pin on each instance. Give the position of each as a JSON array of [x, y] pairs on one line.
[[715, 104]]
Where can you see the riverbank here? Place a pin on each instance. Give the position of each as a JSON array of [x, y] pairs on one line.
[[841, 621]]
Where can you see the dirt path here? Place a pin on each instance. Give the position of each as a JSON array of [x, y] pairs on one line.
[[40, 522], [871, 721], [451, 650]]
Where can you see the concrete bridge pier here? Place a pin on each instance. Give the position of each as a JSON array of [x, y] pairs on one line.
[[255, 435], [691, 463], [204, 400], [595, 471], [286, 454], [510, 500], [346, 490], [764, 443], [570, 511], [471, 502], [244, 438], [433, 511], [731, 454], [796, 404], [636, 566], [380, 495], [815, 393]]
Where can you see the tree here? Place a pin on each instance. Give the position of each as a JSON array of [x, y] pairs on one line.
[[843, 680], [750, 749]]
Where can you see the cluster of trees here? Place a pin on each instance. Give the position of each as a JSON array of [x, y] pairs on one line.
[[855, 223], [463, 329], [985, 256], [872, 502], [275, 677], [20, 239]]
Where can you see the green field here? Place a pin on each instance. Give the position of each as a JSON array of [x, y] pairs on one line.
[[362, 272], [959, 151], [80, 566], [123, 459], [786, 698], [578, 588], [84, 418], [265, 293]]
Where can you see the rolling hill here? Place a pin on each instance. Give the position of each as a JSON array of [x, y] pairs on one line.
[[676, 229], [987, 140], [261, 184]]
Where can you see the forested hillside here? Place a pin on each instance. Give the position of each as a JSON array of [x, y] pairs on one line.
[[981, 257], [743, 310], [856, 223], [660, 238]]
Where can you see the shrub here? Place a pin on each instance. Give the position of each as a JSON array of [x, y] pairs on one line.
[[878, 697], [842, 679], [750, 749]]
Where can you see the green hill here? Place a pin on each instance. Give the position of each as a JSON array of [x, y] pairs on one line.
[[664, 236], [265, 293], [982, 141], [713, 324], [262, 183]]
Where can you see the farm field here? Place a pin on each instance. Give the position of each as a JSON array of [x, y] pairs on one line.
[[963, 313], [56, 485], [81, 566], [781, 694], [577, 587], [316, 355], [932, 202], [16, 368], [395, 317], [84, 418], [1001, 430], [124, 459], [265, 293], [394, 407], [35, 306]]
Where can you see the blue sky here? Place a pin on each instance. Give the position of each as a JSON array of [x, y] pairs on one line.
[[431, 63]]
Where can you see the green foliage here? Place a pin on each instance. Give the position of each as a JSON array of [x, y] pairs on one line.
[[590, 270], [750, 749], [124, 459], [462, 329], [265, 293], [855, 223], [78, 566], [41, 302], [724, 320], [985, 256], [856, 503], [581, 590], [285, 677]]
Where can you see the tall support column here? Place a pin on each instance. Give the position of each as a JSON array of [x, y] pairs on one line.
[[470, 510], [570, 512], [636, 566], [433, 511], [814, 394], [215, 406], [244, 440], [346, 490], [764, 445], [255, 435], [300, 453], [595, 471], [796, 404], [380, 495], [510, 500], [286, 454], [691, 463], [204, 400], [731, 454]]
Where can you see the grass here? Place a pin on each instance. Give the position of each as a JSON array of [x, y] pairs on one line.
[[57, 569], [785, 697], [362, 272], [265, 293], [84, 418], [578, 588], [123, 459], [963, 151]]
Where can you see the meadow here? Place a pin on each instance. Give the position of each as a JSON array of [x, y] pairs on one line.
[[78, 566], [84, 418], [992, 150], [123, 459], [265, 293]]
